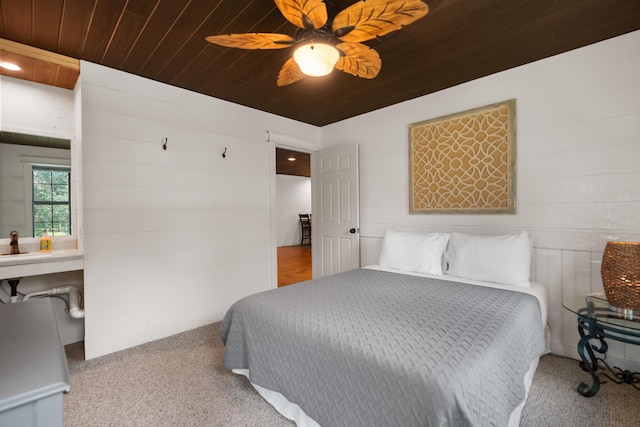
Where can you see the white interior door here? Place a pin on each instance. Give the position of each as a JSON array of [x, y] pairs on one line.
[[336, 210]]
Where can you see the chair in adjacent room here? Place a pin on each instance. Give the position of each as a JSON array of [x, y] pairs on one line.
[[305, 229]]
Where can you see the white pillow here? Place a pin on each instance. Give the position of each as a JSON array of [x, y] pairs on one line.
[[497, 259], [411, 251]]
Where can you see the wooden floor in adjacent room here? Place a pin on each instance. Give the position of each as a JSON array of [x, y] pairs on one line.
[[294, 264]]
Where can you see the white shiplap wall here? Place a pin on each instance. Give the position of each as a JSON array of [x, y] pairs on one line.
[[578, 168], [33, 109], [43, 110], [36, 109], [171, 238]]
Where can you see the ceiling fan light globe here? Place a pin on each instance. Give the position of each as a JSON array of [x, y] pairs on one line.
[[316, 59]]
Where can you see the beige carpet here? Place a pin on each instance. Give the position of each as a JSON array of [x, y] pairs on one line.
[[179, 381]]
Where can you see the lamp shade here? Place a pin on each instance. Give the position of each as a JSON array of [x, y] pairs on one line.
[[316, 59], [621, 275]]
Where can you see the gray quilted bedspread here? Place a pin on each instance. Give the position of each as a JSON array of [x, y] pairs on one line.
[[373, 348]]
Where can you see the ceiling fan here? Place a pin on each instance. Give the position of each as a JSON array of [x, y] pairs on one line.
[[322, 47]]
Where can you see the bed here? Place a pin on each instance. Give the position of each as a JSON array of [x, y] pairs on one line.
[[409, 342]]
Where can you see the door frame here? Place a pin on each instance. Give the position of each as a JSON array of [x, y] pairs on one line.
[[277, 140]]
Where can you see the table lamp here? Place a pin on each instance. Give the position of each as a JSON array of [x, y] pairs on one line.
[[621, 276]]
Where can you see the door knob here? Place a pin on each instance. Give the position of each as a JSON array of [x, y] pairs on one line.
[[352, 231]]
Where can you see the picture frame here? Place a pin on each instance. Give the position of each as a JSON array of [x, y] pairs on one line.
[[464, 162]]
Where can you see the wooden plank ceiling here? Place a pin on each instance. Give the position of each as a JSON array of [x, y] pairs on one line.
[[164, 40], [299, 166]]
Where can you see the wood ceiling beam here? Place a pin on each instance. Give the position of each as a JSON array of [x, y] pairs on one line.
[[40, 54]]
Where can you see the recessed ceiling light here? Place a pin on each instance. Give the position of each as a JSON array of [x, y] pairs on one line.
[[291, 159], [10, 66]]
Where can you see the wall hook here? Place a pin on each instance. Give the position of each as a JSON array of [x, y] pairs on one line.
[[164, 143], [224, 154]]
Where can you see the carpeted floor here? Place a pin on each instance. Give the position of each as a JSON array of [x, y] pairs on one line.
[[179, 381]]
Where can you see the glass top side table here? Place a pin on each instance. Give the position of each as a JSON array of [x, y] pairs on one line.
[[597, 322]]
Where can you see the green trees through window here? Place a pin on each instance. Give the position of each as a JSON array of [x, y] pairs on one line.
[[51, 200]]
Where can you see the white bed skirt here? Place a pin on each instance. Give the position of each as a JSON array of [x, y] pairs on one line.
[[288, 409], [293, 412]]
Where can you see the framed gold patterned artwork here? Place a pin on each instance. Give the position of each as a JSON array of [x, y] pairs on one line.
[[464, 162]]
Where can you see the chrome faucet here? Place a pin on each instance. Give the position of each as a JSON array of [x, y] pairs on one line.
[[13, 245]]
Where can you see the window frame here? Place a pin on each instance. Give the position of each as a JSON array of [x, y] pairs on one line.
[[51, 203], [30, 162]]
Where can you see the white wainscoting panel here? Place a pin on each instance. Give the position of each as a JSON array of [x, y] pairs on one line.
[[565, 273]]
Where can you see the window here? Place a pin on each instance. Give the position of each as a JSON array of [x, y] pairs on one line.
[[51, 200]]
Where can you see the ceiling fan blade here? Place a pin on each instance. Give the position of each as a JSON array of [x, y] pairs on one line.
[[253, 40], [290, 73], [307, 14], [365, 20], [359, 60]]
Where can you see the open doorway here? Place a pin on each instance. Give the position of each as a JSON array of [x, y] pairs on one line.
[[293, 198]]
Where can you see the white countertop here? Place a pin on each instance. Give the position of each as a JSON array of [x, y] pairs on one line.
[[36, 263]]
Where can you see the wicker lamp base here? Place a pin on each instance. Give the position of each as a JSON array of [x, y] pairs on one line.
[[621, 277]]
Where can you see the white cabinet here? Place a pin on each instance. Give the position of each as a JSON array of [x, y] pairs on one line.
[[33, 366]]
